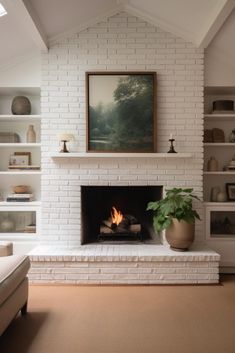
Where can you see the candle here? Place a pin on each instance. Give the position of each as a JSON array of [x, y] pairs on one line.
[[171, 136]]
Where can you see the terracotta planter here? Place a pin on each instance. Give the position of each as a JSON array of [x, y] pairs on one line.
[[180, 235]]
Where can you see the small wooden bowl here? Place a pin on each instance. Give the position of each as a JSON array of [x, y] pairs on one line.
[[20, 189]]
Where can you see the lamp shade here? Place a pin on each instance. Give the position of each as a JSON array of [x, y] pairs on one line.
[[65, 137]]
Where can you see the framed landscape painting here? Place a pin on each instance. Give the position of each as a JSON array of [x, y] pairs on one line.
[[121, 111]]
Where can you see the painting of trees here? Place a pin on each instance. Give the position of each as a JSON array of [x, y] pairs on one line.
[[120, 115]]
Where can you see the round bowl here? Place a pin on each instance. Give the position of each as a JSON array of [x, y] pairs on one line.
[[20, 189]]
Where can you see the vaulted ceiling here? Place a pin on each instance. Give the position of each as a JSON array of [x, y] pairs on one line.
[[30, 23]]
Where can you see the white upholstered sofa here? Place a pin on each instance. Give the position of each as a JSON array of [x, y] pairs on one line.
[[13, 284]]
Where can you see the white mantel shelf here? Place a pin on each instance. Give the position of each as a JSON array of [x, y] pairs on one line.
[[120, 155]]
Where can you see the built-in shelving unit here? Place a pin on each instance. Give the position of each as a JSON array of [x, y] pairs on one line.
[[120, 155], [23, 213], [219, 216]]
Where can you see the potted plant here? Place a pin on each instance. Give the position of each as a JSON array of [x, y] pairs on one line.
[[176, 215]]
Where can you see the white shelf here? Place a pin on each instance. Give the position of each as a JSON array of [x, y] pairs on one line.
[[219, 144], [18, 236], [222, 236], [20, 145], [222, 204], [17, 91], [219, 173], [19, 118], [23, 172], [219, 90], [120, 155], [20, 204], [220, 117]]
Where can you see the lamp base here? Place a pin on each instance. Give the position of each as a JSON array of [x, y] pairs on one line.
[[172, 149], [64, 148]]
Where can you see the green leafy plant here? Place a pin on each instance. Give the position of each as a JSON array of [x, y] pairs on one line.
[[176, 204]]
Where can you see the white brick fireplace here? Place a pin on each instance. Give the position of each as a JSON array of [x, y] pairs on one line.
[[119, 43]]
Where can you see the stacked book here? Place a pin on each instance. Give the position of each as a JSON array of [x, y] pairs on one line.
[[31, 228], [20, 197]]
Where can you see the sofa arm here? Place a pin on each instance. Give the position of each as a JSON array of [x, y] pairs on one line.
[[6, 248]]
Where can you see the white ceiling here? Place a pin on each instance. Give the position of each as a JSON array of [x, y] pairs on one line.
[[14, 40], [30, 22], [58, 16]]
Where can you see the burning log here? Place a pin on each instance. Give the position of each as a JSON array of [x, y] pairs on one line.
[[134, 228], [120, 224]]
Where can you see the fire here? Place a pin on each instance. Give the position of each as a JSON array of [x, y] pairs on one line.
[[116, 216]]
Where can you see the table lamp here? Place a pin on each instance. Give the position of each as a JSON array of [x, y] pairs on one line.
[[64, 137]]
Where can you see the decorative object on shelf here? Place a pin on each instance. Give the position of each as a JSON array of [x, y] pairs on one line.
[[64, 137], [31, 134], [21, 106], [208, 136], [221, 196], [24, 154], [20, 197], [20, 189], [230, 188], [223, 106], [7, 225], [19, 160], [212, 165], [172, 148], [232, 136], [31, 228], [231, 166], [218, 135], [121, 111], [176, 215], [9, 137], [214, 192]]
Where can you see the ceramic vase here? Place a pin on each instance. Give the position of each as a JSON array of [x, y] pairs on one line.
[[212, 165], [232, 136], [214, 192], [221, 196], [21, 106], [180, 235], [31, 134]]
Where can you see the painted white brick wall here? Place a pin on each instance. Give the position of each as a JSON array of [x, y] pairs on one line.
[[122, 42]]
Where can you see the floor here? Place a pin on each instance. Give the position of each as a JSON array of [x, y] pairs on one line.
[[126, 319]]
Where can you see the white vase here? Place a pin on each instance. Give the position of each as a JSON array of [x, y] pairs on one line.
[[222, 196], [214, 192], [212, 165], [31, 134]]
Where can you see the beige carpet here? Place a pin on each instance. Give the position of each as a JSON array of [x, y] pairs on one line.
[[136, 319]]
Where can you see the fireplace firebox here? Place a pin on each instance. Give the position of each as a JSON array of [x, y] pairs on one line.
[[118, 214]]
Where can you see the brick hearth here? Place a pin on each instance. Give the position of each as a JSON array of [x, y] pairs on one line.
[[125, 264]]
